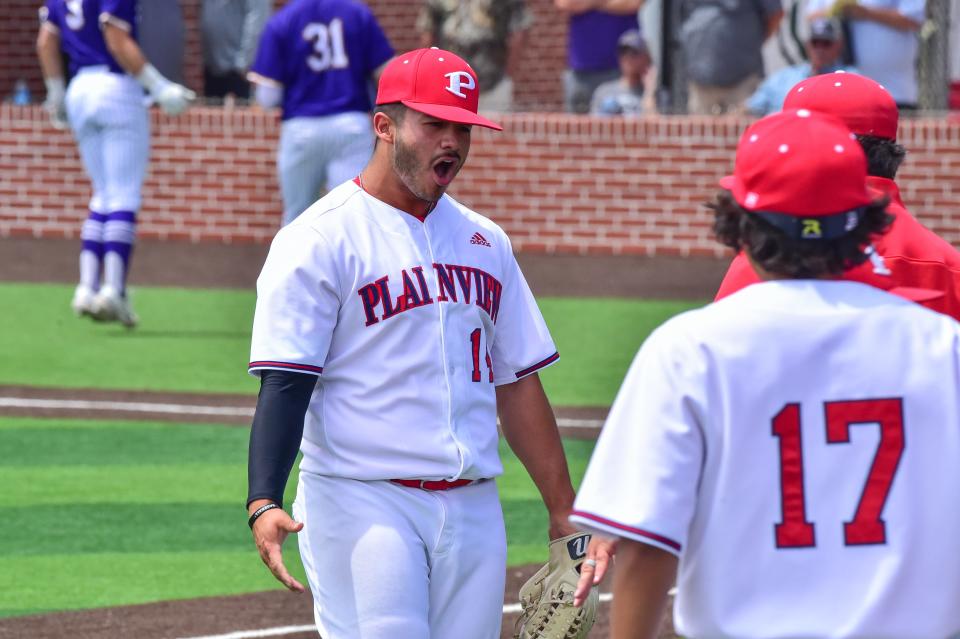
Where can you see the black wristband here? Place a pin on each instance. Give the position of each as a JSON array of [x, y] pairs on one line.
[[259, 511]]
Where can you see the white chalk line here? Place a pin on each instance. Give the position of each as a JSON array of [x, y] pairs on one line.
[[280, 631], [187, 409], [132, 407]]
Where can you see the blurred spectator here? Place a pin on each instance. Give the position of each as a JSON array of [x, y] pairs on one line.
[[595, 26], [162, 33], [317, 59], [230, 31], [721, 43], [488, 34], [624, 96], [883, 36], [824, 48]]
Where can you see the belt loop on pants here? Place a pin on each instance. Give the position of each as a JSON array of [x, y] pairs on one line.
[[435, 484]]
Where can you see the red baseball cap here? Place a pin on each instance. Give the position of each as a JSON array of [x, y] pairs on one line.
[[863, 104], [435, 82], [799, 164]]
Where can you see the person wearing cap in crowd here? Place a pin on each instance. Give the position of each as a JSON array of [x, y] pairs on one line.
[[624, 96], [884, 38], [592, 34], [824, 47], [908, 255], [392, 325], [787, 454]]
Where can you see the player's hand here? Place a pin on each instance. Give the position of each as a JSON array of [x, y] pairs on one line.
[[599, 555], [560, 525], [57, 112], [269, 532], [173, 98], [841, 8]]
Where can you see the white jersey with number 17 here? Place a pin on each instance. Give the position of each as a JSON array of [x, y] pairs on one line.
[[409, 326], [797, 445]]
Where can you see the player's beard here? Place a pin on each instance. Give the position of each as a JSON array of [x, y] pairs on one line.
[[407, 165]]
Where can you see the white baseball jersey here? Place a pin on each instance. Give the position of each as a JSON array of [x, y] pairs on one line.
[[409, 324], [796, 444]]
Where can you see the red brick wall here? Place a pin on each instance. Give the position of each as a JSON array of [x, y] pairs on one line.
[[557, 183], [18, 37], [538, 86]]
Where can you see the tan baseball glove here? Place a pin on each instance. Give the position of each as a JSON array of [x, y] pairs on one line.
[[547, 597]]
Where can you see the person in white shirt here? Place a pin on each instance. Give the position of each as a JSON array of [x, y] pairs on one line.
[[884, 39], [787, 454]]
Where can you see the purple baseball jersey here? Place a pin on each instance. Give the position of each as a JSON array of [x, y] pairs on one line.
[[592, 39], [81, 38], [322, 52]]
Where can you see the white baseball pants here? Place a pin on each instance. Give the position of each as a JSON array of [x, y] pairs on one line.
[[317, 154], [110, 122], [389, 562]]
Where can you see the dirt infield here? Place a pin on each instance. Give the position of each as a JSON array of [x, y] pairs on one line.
[[237, 266], [284, 613]]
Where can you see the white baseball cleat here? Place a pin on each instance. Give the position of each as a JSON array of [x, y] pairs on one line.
[[83, 303], [110, 306]]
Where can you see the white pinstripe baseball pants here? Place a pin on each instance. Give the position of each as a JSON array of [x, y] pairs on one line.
[[109, 120], [319, 153]]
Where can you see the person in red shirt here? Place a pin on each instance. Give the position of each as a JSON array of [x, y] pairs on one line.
[[910, 255]]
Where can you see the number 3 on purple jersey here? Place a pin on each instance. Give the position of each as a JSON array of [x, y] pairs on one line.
[[328, 49], [74, 17]]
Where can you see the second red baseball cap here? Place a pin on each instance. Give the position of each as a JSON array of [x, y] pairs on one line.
[[435, 82], [863, 104], [801, 164]]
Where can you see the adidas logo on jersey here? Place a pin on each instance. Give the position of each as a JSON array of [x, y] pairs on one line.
[[479, 239]]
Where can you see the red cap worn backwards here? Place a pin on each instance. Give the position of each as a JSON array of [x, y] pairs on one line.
[[799, 164], [435, 82], [863, 104]]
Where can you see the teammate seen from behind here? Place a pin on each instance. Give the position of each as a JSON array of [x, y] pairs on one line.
[[909, 254], [789, 448], [104, 106], [317, 59], [392, 326]]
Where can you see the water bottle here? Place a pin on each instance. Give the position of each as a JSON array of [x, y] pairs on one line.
[[21, 93]]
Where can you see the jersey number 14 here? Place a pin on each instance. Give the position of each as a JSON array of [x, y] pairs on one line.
[[867, 526]]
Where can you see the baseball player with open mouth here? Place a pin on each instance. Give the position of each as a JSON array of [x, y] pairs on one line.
[[392, 326], [788, 452]]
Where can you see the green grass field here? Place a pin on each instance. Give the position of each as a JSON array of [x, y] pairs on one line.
[[116, 512], [199, 341], [101, 513]]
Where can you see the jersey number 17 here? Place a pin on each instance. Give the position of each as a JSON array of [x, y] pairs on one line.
[[867, 525]]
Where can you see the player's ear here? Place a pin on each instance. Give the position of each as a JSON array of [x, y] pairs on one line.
[[384, 127]]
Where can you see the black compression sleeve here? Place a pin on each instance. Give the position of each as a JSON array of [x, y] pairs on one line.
[[276, 432]]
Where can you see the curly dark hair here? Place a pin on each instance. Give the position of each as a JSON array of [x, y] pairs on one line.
[[884, 156], [791, 258]]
